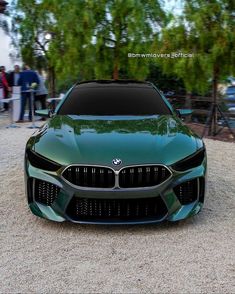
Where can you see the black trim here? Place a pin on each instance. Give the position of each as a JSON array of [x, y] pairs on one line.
[[90, 176], [41, 162], [136, 209], [202, 189], [124, 81], [30, 189], [143, 176], [191, 161], [44, 192], [187, 192]]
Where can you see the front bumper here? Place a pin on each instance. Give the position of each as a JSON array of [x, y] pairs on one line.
[[173, 208]]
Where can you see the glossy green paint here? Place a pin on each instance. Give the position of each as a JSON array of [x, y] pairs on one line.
[[98, 140]]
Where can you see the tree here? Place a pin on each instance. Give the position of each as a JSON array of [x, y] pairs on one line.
[[213, 24], [30, 23], [127, 26], [97, 36], [90, 39], [206, 29]]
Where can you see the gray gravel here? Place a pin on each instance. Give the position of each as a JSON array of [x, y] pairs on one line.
[[194, 256]]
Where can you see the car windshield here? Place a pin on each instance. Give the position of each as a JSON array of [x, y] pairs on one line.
[[114, 100]]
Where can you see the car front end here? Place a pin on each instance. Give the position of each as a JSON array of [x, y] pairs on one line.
[[115, 170]]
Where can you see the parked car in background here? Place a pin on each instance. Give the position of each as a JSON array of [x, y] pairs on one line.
[[230, 97], [231, 80]]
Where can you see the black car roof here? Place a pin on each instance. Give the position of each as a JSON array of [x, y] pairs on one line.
[[126, 83]]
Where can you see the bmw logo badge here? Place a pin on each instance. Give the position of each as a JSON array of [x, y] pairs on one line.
[[117, 161]]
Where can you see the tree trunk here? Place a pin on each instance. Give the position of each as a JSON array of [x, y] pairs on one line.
[[188, 105], [116, 64], [118, 34], [53, 82], [115, 71], [214, 97], [51, 78]]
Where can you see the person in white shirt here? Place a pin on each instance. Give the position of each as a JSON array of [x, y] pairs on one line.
[[42, 92]]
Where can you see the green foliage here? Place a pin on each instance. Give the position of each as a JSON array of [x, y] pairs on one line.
[[30, 22], [165, 82], [90, 39], [206, 29], [101, 33]]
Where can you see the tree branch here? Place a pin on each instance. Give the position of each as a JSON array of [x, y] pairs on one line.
[[41, 45]]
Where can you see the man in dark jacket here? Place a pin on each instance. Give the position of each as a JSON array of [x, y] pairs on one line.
[[14, 76], [28, 78]]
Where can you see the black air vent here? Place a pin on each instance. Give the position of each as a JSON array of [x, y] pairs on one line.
[[44, 192], [143, 176], [116, 209], [187, 192], [90, 176]]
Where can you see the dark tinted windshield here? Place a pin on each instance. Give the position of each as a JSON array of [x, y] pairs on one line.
[[114, 100]]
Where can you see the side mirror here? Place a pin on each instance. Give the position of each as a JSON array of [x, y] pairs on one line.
[[184, 112], [44, 113]]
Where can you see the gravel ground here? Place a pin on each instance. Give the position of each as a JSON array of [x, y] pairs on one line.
[[194, 256]]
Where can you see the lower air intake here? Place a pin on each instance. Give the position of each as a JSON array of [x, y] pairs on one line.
[[190, 191], [44, 192], [116, 209]]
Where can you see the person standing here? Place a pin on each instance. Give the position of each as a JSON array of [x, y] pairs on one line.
[[14, 76], [42, 92], [26, 80], [4, 87]]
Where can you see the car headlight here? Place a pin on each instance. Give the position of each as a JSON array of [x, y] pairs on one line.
[[191, 161], [41, 162]]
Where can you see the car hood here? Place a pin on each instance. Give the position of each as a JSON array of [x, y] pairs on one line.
[[98, 140]]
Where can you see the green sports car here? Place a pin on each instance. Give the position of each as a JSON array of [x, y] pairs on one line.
[[115, 152]]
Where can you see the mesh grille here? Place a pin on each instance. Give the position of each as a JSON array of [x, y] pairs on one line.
[[45, 192], [187, 192], [90, 176], [116, 209], [143, 176]]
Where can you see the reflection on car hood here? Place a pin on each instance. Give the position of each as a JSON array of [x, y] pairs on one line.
[[98, 140]]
